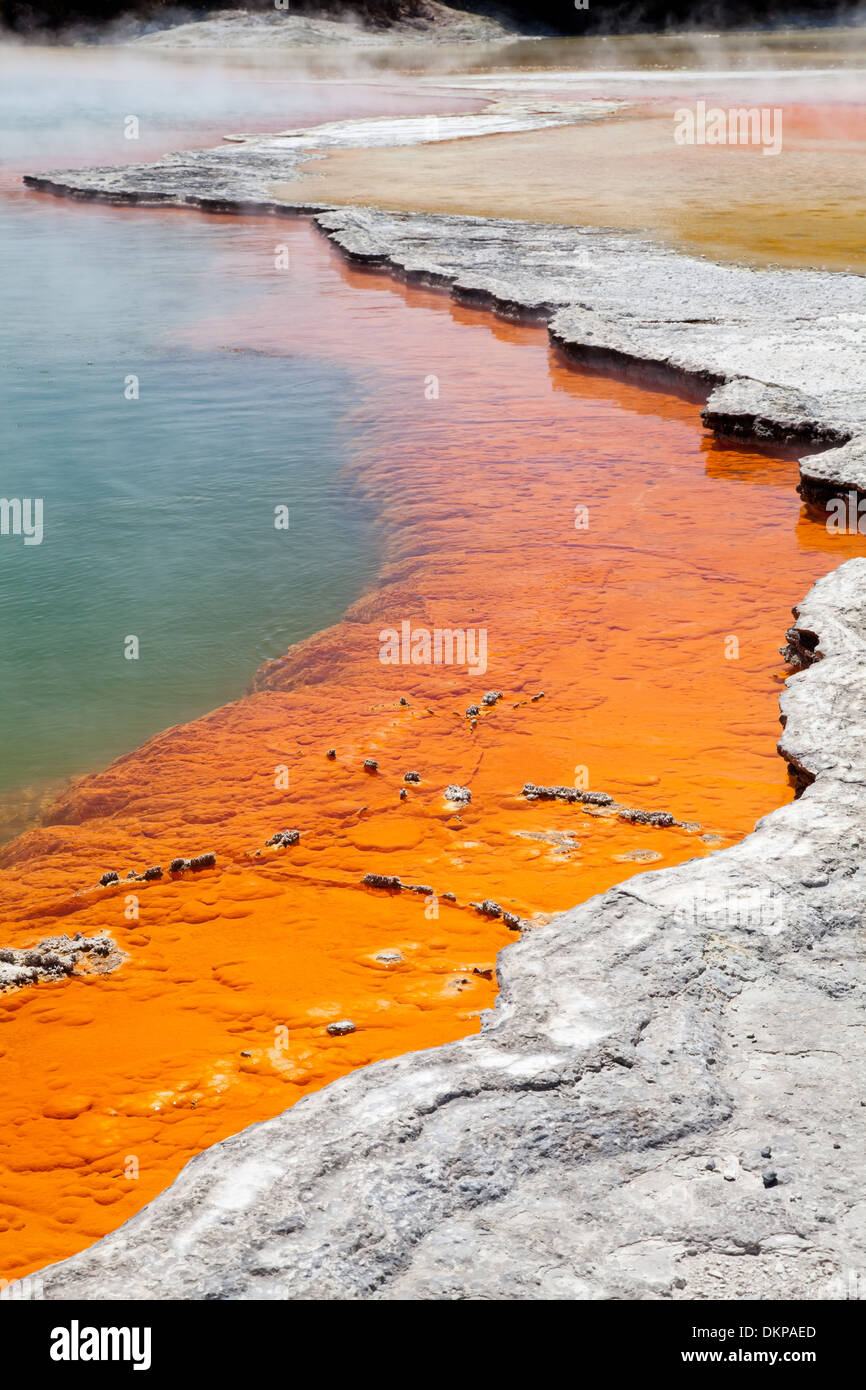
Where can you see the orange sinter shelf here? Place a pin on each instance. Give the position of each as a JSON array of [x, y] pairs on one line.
[[626, 580]]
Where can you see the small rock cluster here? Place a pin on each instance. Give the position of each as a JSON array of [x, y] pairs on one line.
[[53, 958], [177, 866], [198, 861], [155, 871], [662, 819], [284, 838], [395, 884], [534, 793], [489, 908], [390, 881], [460, 794]]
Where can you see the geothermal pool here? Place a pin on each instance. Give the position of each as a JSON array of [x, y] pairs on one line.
[[159, 455], [443, 469]]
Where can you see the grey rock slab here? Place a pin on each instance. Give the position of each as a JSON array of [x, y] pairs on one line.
[[601, 1137], [836, 470]]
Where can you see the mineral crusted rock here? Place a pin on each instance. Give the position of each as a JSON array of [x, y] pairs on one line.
[[535, 793], [390, 881], [55, 957], [208, 860], [637, 817], [462, 795], [284, 838], [567, 1150]]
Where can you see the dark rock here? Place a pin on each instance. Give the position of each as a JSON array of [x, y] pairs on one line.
[[488, 907], [403, 700], [472, 711], [390, 881], [767, 1152], [770, 1178], [534, 793], [491, 697], [411, 776], [155, 871], [177, 866], [404, 795], [203, 861], [284, 837], [661, 819], [370, 765], [110, 877], [331, 753], [449, 897], [511, 921], [341, 1028]]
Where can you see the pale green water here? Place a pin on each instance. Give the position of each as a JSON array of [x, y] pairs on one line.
[[158, 513]]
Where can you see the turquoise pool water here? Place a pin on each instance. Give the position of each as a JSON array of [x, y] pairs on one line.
[[158, 513]]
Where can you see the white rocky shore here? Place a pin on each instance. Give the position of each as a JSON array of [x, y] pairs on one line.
[[782, 353], [668, 1100], [283, 29]]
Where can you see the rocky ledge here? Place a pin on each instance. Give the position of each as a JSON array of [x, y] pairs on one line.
[[666, 1102], [781, 353]]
